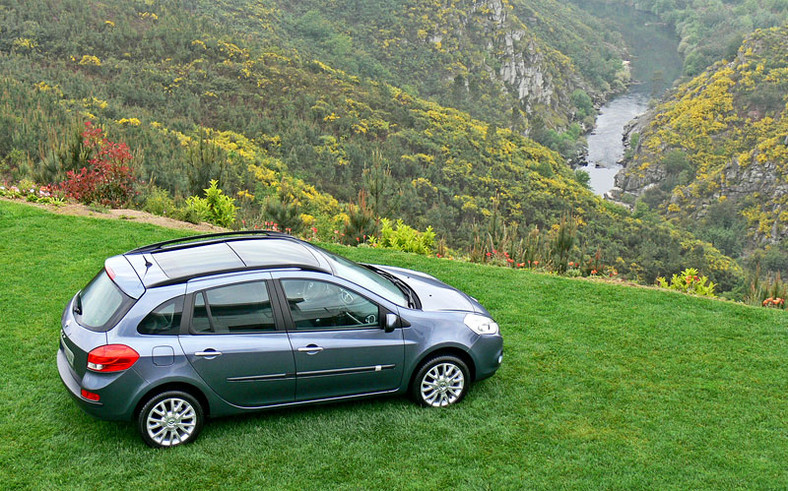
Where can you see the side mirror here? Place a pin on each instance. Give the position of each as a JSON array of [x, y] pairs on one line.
[[392, 322]]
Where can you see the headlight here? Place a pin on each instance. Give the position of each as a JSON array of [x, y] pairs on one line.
[[481, 324]]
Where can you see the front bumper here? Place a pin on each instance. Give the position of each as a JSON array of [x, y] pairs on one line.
[[487, 353]]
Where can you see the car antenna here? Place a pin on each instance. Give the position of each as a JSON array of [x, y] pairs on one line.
[[148, 264]]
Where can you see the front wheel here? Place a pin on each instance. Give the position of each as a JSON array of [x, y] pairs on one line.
[[169, 419], [441, 381]]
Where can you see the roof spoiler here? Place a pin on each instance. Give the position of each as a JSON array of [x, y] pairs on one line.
[[122, 274]]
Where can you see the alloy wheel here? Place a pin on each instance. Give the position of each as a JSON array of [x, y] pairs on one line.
[[170, 419], [442, 384]]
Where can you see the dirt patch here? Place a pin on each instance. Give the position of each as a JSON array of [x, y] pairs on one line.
[[122, 214]]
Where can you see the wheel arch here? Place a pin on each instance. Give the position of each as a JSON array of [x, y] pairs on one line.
[[181, 386], [441, 351]]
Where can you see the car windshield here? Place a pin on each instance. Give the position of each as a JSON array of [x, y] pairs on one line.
[[370, 280]]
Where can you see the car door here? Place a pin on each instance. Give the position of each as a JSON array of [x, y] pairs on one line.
[[237, 344], [339, 344]]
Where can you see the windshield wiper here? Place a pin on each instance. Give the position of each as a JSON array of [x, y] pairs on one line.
[[404, 287]]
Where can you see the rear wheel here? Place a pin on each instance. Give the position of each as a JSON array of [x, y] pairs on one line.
[[441, 381], [169, 419]]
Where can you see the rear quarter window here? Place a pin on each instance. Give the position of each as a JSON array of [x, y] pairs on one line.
[[164, 319]]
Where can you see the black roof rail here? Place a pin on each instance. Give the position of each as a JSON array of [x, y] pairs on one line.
[[196, 240], [185, 278]]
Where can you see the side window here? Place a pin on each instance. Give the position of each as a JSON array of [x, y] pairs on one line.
[[200, 321], [241, 308], [164, 319], [322, 305]]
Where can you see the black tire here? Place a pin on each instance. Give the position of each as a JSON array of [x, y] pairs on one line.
[[170, 419], [441, 381]]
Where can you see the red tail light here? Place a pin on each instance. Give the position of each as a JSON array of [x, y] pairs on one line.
[[112, 358], [91, 396]]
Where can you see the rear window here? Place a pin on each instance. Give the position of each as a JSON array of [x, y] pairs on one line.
[[101, 304]]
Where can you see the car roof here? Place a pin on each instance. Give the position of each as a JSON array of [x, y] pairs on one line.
[[179, 260]]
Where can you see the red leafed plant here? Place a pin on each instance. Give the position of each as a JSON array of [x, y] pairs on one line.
[[108, 180]]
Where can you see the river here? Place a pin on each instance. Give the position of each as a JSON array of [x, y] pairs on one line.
[[655, 65]]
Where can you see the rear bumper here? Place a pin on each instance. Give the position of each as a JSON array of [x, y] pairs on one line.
[[113, 391], [72, 385]]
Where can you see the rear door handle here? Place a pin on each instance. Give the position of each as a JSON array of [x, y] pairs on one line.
[[311, 349], [208, 354]]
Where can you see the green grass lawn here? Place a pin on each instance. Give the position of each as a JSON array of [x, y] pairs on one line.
[[602, 386]]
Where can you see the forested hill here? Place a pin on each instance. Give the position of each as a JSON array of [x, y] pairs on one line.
[[270, 100], [711, 30], [533, 66], [714, 156], [512, 62]]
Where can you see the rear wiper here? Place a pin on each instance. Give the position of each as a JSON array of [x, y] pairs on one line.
[[78, 304]]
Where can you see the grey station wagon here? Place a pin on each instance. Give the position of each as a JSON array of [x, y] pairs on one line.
[[171, 333]]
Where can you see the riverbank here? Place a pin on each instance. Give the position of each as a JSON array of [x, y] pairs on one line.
[[655, 65]]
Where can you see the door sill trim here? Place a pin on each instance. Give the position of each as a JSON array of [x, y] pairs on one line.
[[320, 401]]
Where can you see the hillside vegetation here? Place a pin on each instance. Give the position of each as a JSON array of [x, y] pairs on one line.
[[601, 386], [714, 155], [711, 30], [223, 90], [511, 62]]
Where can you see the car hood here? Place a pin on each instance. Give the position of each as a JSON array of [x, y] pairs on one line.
[[434, 294]]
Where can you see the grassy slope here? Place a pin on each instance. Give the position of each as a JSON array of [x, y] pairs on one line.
[[602, 386]]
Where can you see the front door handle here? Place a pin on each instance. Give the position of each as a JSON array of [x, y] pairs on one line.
[[310, 349], [208, 354]]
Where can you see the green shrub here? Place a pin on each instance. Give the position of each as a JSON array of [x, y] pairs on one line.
[[282, 215], [361, 223], [187, 214], [283, 210], [157, 201], [583, 103], [404, 238], [562, 242], [583, 177], [216, 207], [770, 291], [689, 281]]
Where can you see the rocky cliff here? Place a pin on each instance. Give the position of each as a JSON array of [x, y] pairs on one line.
[[720, 139], [527, 69], [529, 76]]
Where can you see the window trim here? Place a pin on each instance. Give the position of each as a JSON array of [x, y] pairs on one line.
[[287, 315], [188, 316]]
